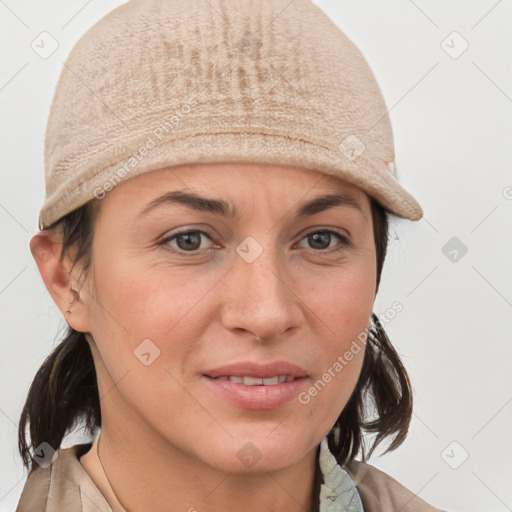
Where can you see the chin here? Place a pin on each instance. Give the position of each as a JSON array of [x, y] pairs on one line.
[[255, 453]]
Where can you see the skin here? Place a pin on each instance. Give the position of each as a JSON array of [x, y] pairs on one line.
[[163, 429]]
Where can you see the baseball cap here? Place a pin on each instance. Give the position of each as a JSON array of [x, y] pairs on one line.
[[160, 83]]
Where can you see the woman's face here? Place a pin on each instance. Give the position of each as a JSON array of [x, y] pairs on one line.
[[179, 290]]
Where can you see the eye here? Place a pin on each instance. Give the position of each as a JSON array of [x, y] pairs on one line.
[[187, 241], [190, 240], [322, 239]]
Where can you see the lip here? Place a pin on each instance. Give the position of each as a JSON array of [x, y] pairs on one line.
[[260, 371], [257, 397]]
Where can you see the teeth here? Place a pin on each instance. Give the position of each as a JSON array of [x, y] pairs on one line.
[[253, 381]]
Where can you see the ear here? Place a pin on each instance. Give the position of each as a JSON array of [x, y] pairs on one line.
[[46, 248]]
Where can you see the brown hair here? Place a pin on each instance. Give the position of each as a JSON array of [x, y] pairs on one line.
[[64, 390]]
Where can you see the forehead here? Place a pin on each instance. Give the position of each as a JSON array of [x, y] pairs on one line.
[[225, 188]]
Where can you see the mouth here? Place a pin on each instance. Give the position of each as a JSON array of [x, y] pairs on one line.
[[255, 374], [255, 381], [258, 387]]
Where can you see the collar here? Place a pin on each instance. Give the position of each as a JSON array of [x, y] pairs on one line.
[[338, 493]]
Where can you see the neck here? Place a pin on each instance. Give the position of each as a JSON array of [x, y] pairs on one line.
[[147, 473]]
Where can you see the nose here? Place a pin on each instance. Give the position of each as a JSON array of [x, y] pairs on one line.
[[260, 297]]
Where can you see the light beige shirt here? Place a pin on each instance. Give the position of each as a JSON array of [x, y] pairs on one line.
[[68, 486]]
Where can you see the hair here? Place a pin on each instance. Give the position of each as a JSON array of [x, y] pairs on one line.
[[65, 391]]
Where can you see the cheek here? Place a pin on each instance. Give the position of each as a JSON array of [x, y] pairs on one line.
[[144, 330], [343, 298], [343, 314], [134, 303]]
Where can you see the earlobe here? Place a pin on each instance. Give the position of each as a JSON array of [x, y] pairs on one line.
[[46, 247]]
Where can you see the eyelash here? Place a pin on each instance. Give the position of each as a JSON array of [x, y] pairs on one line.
[[344, 241]]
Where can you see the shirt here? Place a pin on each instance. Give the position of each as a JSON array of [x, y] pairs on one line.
[[353, 487]]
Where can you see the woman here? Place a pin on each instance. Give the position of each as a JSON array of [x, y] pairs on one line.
[[219, 179]]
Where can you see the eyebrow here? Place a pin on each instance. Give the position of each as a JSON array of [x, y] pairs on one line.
[[226, 209]]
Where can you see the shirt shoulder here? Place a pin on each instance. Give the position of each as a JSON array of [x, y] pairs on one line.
[[64, 485], [379, 491]]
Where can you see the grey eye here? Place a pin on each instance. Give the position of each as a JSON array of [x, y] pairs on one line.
[[187, 241], [322, 239]]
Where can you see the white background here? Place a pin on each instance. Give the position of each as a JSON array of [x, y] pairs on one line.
[[452, 121]]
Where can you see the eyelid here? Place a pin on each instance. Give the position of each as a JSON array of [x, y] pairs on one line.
[[342, 232]]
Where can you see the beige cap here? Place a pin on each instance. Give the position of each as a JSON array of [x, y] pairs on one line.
[[158, 83]]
